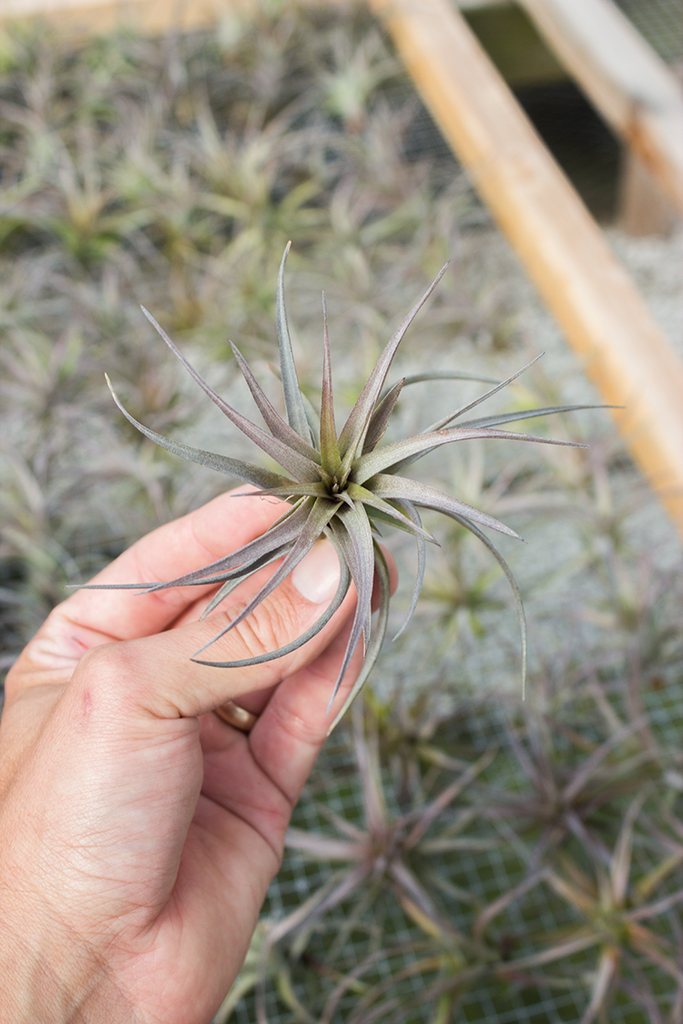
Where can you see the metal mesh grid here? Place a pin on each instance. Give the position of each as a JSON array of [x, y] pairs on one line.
[[574, 132], [483, 874], [661, 24]]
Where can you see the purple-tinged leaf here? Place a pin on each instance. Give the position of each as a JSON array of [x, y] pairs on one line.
[[208, 575], [412, 512], [372, 653], [291, 461], [391, 487], [326, 848], [579, 939], [333, 892], [283, 533], [527, 414], [278, 427], [492, 911], [393, 455], [296, 414], [357, 525], [428, 815], [366, 747], [329, 447], [308, 634], [420, 378], [221, 463], [581, 777], [354, 536], [294, 490], [312, 417], [380, 417], [318, 518], [357, 493], [477, 401], [238, 576], [353, 435]]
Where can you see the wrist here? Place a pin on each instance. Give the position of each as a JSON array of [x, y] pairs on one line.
[[47, 976]]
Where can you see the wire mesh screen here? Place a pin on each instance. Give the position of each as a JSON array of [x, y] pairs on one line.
[[373, 957], [660, 22], [573, 130]]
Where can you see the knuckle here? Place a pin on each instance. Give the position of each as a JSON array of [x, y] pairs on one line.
[[309, 731], [271, 625], [104, 676]]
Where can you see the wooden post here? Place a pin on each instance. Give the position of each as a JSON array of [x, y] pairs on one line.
[[624, 78], [561, 247]]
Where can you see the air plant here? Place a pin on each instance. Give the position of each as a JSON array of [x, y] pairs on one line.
[[339, 485]]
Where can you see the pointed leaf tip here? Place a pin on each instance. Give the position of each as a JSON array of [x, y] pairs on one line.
[[294, 405]]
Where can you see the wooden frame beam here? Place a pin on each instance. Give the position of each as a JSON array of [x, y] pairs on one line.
[[563, 250], [624, 78]]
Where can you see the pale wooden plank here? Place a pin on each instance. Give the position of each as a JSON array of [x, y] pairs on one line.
[[151, 16], [624, 78], [563, 250]]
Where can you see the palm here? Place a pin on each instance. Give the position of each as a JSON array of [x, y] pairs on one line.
[[180, 819]]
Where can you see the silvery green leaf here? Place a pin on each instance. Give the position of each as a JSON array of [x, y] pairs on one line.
[[277, 426], [380, 417], [238, 576], [296, 414], [391, 456], [420, 378], [372, 653], [290, 460], [482, 398], [390, 487], [353, 533], [353, 435], [292, 489], [328, 434], [412, 512], [526, 414], [516, 593], [221, 463], [316, 521], [294, 645], [370, 500], [278, 535]]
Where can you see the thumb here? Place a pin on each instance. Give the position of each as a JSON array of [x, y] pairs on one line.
[[155, 675]]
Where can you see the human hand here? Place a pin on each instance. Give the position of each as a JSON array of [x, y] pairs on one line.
[[138, 832]]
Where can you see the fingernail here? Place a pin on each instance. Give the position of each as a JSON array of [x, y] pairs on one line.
[[316, 577]]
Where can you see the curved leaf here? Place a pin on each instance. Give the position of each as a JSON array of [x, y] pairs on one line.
[[355, 429], [316, 521], [296, 414], [318, 625], [221, 463], [290, 460], [384, 581], [390, 456], [391, 487], [278, 427]]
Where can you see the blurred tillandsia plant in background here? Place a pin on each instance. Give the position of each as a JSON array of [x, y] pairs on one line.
[[457, 855]]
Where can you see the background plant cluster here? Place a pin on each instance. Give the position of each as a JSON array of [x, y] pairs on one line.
[[458, 855]]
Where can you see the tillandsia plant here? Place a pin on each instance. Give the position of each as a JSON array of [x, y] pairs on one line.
[[342, 486]]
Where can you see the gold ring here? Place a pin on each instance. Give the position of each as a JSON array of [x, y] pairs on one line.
[[237, 717]]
